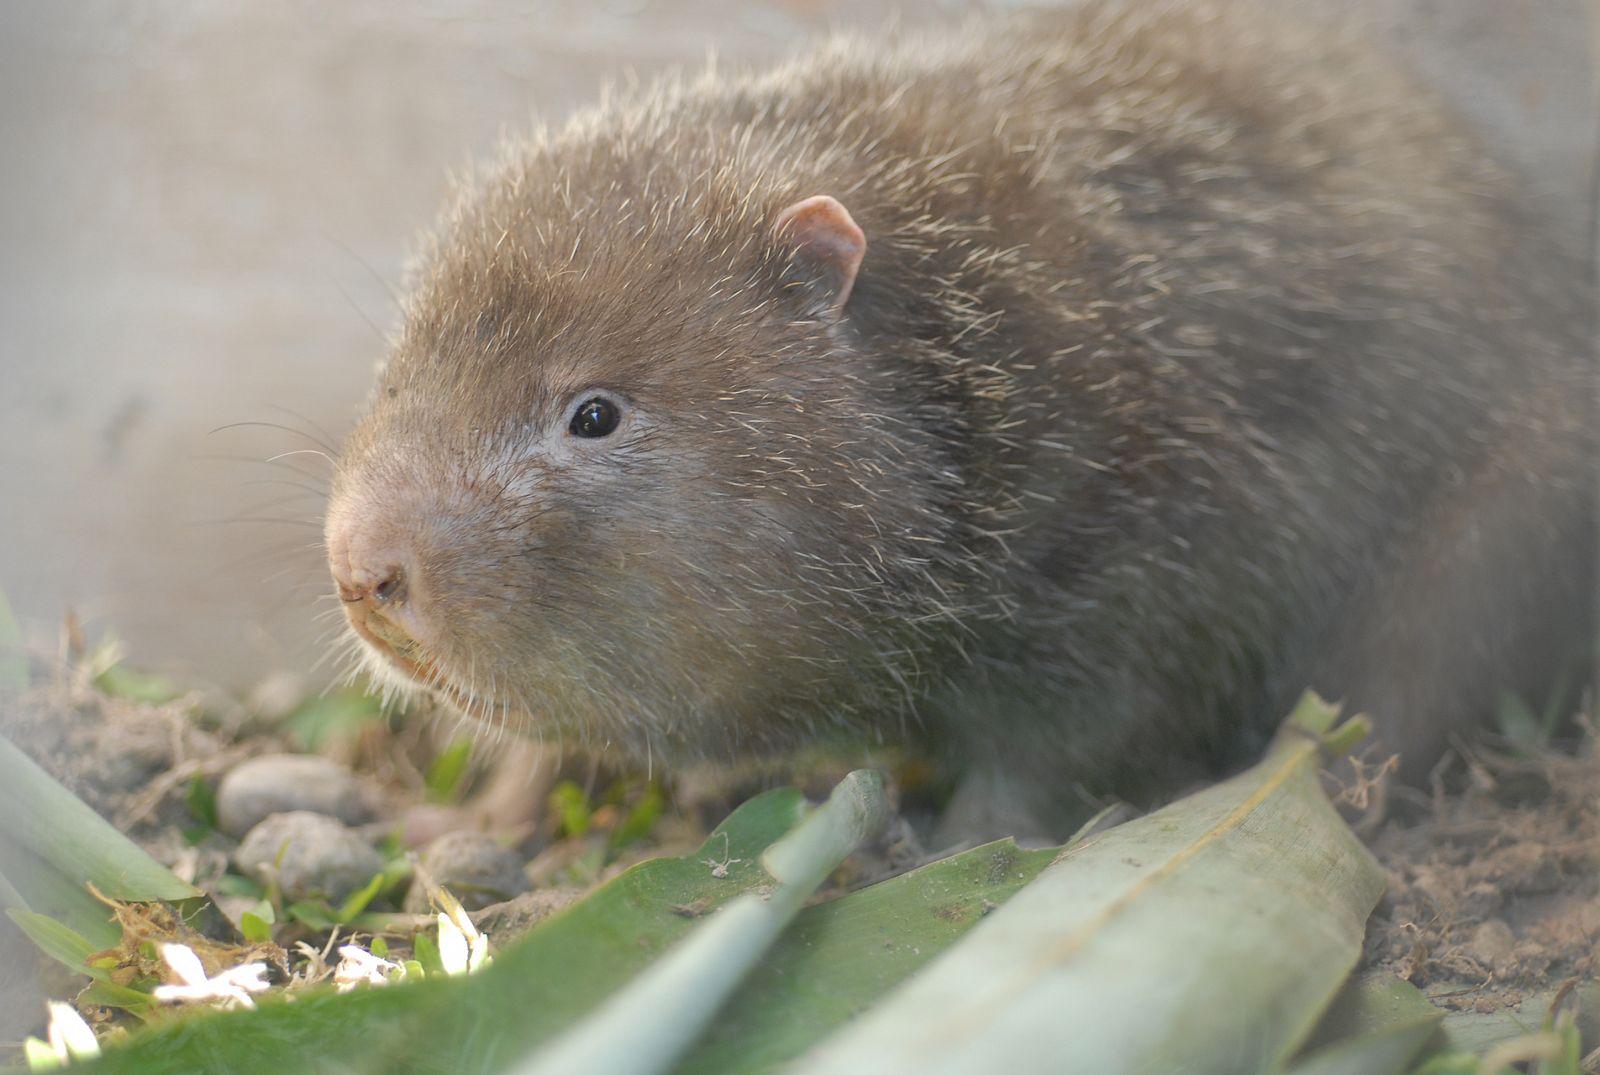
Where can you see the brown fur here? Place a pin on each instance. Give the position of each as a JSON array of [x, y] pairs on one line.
[[1193, 359]]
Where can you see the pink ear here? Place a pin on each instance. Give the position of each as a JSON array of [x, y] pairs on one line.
[[827, 241]]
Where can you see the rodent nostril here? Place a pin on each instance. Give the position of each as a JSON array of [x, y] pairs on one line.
[[391, 588]]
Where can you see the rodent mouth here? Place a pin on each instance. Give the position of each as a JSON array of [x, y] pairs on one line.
[[427, 674], [404, 653]]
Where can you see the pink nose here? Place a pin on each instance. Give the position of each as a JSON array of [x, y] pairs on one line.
[[376, 575], [368, 572]]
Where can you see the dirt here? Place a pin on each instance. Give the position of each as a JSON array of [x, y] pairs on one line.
[[1494, 876]]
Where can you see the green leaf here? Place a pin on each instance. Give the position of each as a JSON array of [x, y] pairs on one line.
[[1517, 722], [315, 914], [257, 925], [426, 952], [357, 902], [568, 802], [1114, 956], [53, 846], [61, 943], [334, 715], [110, 995], [1375, 1026], [842, 956], [201, 799], [641, 820], [644, 1026], [447, 775], [120, 681]]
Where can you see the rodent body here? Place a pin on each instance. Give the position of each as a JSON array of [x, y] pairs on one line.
[[1066, 395]]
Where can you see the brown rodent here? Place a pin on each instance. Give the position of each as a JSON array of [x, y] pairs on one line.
[[1063, 396]]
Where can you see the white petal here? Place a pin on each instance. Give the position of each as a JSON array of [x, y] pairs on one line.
[[182, 992], [479, 957], [42, 1056], [184, 962], [359, 965], [68, 1031], [452, 946], [251, 976]]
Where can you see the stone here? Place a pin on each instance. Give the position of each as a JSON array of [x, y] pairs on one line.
[[283, 783]]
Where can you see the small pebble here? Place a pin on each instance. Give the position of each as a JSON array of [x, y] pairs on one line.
[[281, 783], [312, 855], [505, 922], [474, 868], [1492, 943]]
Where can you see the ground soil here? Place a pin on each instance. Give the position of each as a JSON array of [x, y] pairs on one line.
[[1494, 875]]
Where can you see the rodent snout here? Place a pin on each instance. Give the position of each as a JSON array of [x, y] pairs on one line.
[[375, 574], [365, 571]]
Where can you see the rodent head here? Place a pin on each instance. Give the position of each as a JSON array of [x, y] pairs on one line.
[[632, 474]]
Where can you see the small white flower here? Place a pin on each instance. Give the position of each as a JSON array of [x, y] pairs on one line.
[[233, 986], [358, 965], [70, 1039], [462, 949], [70, 1036]]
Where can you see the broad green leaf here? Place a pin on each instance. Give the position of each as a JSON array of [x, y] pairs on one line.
[[32, 882], [52, 822], [53, 846], [61, 943], [1206, 937], [840, 957], [1375, 1026], [644, 1027]]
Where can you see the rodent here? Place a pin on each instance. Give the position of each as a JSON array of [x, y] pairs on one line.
[[1062, 396]]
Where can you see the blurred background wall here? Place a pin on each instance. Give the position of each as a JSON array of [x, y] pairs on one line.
[[204, 207]]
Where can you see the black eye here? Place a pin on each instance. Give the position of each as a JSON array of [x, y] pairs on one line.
[[595, 417]]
